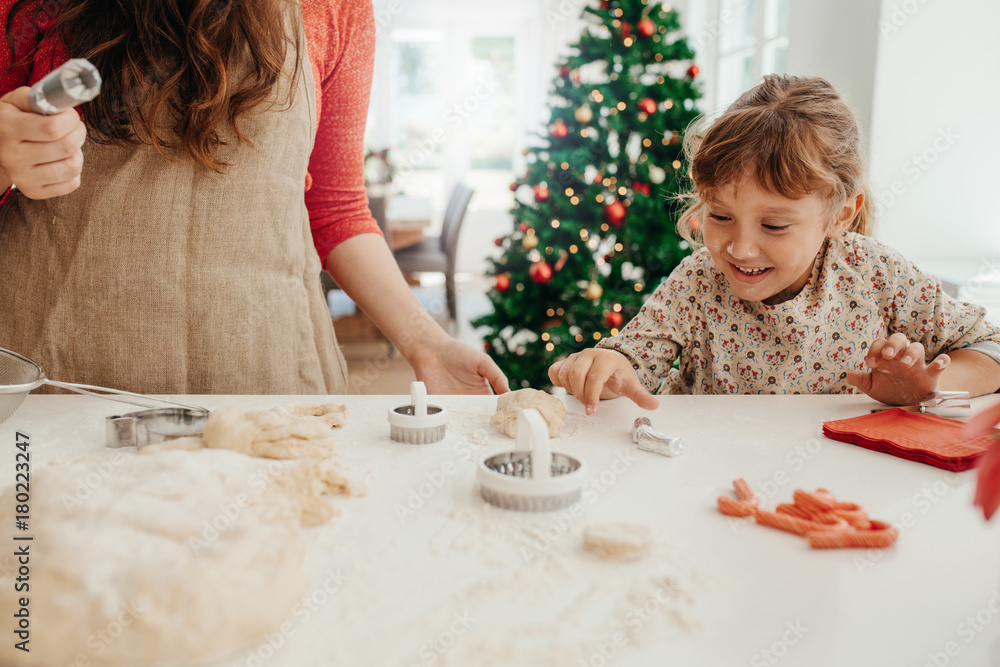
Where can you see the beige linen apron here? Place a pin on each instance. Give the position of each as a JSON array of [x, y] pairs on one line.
[[154, 278]]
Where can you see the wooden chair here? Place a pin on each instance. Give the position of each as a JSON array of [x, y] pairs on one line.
[[436, 254]]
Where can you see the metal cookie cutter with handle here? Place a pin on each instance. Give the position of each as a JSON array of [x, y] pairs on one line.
[[418, 423], [532, 478]]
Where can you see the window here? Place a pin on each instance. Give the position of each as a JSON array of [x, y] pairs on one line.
[[741, 40], [447, 102]]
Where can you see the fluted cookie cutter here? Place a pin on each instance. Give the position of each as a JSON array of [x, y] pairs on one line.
[[148, 427], [532, 478], [654, 441], [418, 423]]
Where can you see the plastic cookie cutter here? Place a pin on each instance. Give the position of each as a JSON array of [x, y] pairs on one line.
[[148, 427], [654, 441], [951, 404], [532, 478], [418, 423]]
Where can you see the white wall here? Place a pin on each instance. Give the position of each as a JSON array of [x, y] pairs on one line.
[[837, 40], [935, 132]]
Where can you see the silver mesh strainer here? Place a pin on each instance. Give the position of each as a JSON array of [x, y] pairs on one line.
[[19, 376]]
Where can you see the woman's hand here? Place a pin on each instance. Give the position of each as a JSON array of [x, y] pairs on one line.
[[456, 368], [41, 155], [593, 374], [898, 374]]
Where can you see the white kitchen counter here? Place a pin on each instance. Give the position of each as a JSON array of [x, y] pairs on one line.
[[422, 572]]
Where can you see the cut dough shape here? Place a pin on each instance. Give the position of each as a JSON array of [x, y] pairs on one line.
[[267, 434], [177, 557], [618, 541], [509, 404], [332, 413]]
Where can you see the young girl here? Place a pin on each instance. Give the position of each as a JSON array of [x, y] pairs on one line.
[[788, 294]]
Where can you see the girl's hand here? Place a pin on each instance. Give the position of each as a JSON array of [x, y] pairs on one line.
[[898, 374], [41, 155], [594, 374]]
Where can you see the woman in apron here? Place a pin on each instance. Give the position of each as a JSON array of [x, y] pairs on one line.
[[170, 241]]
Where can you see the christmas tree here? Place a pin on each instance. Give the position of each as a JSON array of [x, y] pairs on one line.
[[594, 213]]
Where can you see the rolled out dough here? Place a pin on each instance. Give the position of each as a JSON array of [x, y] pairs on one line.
[[619, 541], [168, 558], [332, 413], [509, 404]]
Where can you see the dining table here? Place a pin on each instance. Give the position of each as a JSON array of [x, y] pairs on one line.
[[421, 570]]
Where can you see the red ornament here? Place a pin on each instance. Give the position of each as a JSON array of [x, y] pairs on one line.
[[598, 178], [693, 71], [645, 27], [613, 319], [614, 213], [503, 282], [486, 346], [564, 71], [541, 194], [513, 186], [559, 129], [647, 105], [576, 76], [605, 4], [626, 29], [638, 186], [524, 227], [498, 241], [540, 272]]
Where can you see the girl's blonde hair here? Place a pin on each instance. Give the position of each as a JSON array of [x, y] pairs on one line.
[[796, 135]]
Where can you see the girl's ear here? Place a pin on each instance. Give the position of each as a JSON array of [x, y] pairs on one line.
[[845, 216]]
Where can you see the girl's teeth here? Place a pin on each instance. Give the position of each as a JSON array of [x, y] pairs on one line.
[[752, 272]]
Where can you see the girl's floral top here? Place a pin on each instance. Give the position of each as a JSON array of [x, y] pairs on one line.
[[859, 290]]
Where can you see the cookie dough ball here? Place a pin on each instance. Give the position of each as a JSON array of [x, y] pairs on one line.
[[618, 541], [511, 403]]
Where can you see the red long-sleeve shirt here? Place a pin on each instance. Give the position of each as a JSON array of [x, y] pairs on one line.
[[340, 35]]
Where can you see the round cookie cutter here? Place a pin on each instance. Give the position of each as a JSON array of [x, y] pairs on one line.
[[418, 423], [532, 478]]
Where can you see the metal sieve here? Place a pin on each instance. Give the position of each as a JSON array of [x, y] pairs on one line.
[[20, 375]]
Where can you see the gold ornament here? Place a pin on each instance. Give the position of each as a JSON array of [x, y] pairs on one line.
[[594, 291], [584, 114], [530, 241]]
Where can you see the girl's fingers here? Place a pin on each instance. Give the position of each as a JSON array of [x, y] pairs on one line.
[[554, 372], [897, 343], [875, 352], [912, 353]]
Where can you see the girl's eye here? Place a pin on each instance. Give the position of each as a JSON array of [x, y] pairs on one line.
[[722, 218], [775, 228]]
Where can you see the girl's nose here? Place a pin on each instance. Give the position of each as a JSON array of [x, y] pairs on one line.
[[742, 246]]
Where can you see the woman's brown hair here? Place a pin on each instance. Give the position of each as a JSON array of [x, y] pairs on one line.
[[796, 135], [169, 66]]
